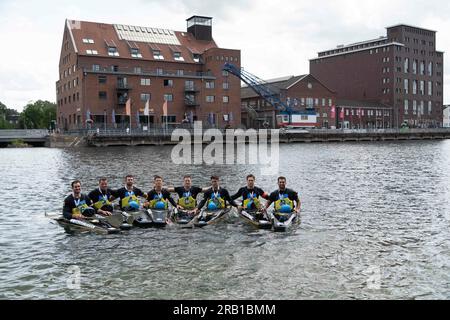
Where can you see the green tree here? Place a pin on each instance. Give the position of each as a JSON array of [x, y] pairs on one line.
[[38, 115], [4, 113]]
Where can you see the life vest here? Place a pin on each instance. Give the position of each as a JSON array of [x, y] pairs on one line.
[[158, 198], [187, 201], [102, 201], [252, 198], [81, 206], [217, 200], [130, 196], [283, 199]]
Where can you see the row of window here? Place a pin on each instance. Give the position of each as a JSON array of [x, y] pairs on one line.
[[189, 84], [136, 53], [67, 86], [418, 108], [418, 67], [418, 87], [416, 41], [294, 102], [366, 112], [67, 72], [69, 99], [144, 97]]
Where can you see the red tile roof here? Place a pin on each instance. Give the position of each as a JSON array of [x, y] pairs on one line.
[[105, 34]]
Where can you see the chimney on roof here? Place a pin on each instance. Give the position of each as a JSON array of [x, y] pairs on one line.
[[200, 27]]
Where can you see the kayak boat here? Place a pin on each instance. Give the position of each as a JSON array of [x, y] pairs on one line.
[[207, 217], [182, 218], [283, 221], [159, 218], [91, 225], [255, 218]]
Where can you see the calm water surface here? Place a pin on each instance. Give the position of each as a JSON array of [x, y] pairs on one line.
[[375, 224]]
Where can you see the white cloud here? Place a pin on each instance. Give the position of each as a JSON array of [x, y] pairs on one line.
[[276, 38]]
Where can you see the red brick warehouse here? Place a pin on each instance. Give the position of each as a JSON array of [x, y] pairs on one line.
[[105, 67], [402, 70]]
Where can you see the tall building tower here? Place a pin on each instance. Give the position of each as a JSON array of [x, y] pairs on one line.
[[402, 69]]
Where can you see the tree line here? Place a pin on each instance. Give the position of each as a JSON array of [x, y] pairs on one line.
[[35, 115]]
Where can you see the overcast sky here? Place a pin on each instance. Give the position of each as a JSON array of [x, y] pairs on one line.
[[276, 38]]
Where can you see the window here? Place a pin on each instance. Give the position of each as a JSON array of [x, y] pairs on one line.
[[146, 97], [406, 81], [168, 97], [430, 88], [168, 83], [414, 86], [135, 53], [430, 68], [145, 82], [310, 103], [168, 119], [180, 72], [210, 99], [95, 67], [226, 99], [421, 111], [189, 85], [414, 107], [115, 68], [74, 83], [157, 55], [316, 101], [92, 52], [177, 56], [422, 67], [429, 107], [196, 58], [225, 73], [422, 87], [137, 70], [209, 84], [330, 102], [226, 86], [112, 51], [406, 106], [414, 67], [102, 95], [159, 71], [91, 41]]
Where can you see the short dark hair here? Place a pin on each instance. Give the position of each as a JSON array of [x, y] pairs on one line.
[[281, 178], [76, 181], [251, 176], [157, 177], [215, 178], [102, 179], [187, 176], [129, 176]]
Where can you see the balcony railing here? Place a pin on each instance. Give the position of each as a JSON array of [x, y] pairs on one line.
[[144, 72], [123, 86], [191, 103]]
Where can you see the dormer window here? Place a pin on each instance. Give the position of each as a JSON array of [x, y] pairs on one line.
[[135, 53], [86, 40], [157, 55], [177, 56], [196, 57], [92, 52], [112, 51]]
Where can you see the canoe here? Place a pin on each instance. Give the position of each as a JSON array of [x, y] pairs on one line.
[[255, 218]]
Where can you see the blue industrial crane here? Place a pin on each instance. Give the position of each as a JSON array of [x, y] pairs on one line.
[[263, 89]]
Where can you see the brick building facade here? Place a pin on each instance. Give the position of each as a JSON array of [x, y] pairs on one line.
[[300, 92], [402, 70], [106, 67]]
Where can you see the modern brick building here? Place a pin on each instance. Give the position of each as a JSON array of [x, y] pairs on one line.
[[402, 70], [106, 67], [302, 93]]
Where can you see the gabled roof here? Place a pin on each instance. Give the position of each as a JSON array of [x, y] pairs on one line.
[[276, 85], [126, 37]]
